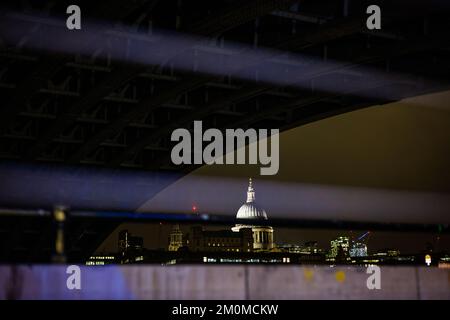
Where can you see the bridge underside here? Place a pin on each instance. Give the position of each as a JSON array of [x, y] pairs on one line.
[[88, 110]]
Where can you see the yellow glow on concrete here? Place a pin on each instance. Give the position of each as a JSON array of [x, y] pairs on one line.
[[308, 274], [340, 276]]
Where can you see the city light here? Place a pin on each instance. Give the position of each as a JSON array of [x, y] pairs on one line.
[[428, 259]]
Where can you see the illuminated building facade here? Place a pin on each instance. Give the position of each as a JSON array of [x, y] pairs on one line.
[[221, 240], [262, 235], [358, 249], [339, 248], [175, 238], [101, 259], [310, 247]]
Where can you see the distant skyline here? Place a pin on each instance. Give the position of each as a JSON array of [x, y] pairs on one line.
[[156, 236]]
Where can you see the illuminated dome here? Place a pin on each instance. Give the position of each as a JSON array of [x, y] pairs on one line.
[[250, 209]]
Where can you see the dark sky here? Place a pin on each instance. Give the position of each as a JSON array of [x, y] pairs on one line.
[[383, 163], [402, 145]]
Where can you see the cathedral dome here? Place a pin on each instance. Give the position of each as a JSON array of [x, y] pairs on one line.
[[250, 210]]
